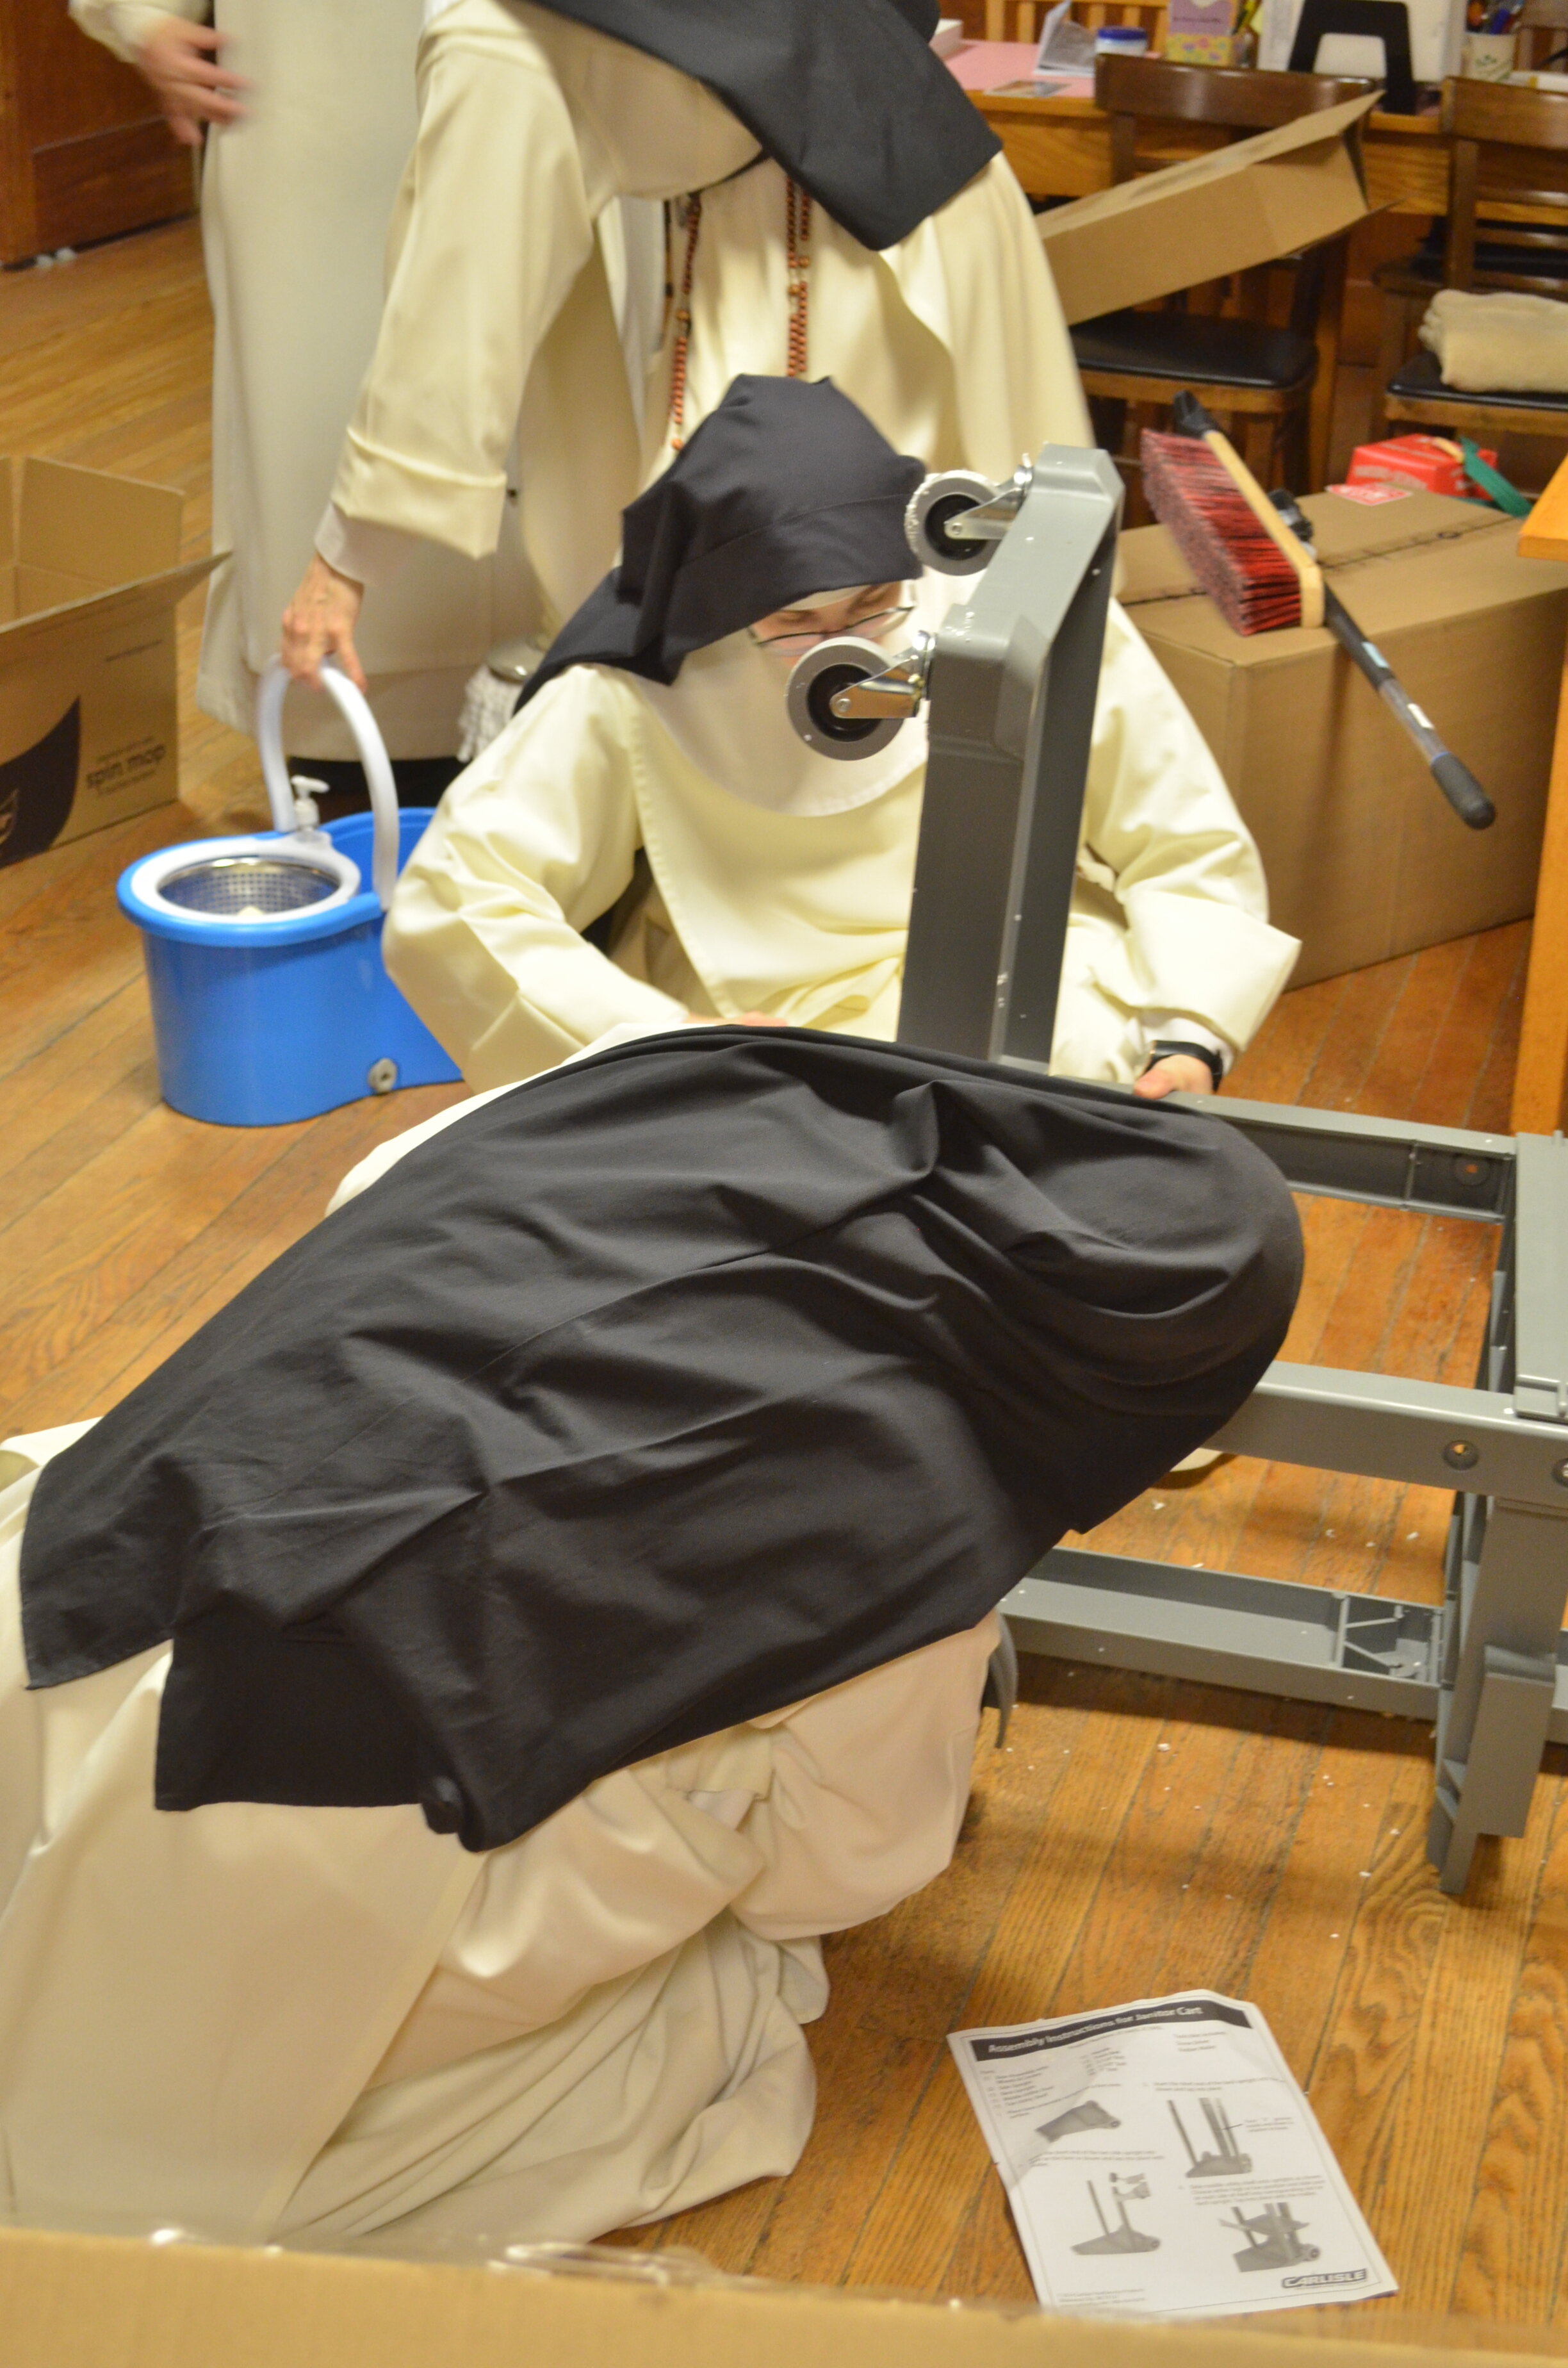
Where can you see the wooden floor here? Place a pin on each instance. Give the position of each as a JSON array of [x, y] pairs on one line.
[[1137, 1836]]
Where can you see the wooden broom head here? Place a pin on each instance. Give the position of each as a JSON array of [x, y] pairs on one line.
[[1253, 569]]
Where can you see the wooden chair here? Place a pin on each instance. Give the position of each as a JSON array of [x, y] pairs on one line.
[[1501, 137], [1530, 256], [1273, 385], [1543, 35]]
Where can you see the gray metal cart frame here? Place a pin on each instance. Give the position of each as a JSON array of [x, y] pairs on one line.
[[1011, 680]]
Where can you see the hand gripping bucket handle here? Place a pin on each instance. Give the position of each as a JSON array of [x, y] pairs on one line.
[[354, 709]]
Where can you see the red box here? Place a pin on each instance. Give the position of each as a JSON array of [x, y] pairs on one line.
[[1427, 464]]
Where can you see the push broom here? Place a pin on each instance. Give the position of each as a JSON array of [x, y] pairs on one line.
[[1254, 557]]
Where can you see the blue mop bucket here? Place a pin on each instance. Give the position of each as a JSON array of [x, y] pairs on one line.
[[271, 1000]]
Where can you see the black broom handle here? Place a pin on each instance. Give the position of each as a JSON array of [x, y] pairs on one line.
[[1456, 781]]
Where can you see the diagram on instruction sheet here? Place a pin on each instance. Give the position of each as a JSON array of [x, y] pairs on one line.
[[1161, 2160]]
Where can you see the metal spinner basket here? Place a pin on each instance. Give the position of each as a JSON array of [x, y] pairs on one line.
[[247, 887]]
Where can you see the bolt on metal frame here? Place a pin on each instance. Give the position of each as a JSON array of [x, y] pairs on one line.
[[1013, 679]]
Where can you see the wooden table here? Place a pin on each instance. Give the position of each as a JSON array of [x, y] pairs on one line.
[[1542, 1069], [1061, 148]]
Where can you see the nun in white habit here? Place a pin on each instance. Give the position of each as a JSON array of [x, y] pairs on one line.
[[854, 221], [311, 116], [255, 2021], [441, 1706], [652, 776]]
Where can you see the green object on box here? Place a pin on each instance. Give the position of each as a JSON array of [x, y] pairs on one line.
[[1492, 482]]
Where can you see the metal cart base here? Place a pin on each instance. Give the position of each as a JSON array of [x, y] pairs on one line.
[[1012, 681]]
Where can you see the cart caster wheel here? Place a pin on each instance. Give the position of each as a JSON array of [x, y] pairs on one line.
[[381, 1076]]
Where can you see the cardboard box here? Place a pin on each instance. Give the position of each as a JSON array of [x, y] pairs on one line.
[[1364, 856], [85, 2302], [89, 576], [1244, 205]]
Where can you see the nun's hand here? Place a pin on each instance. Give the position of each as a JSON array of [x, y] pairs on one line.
[[1178, 1073], [319, 622], [190, 80]]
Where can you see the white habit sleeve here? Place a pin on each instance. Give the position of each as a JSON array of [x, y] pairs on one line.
[[492, 228], [1161, 821], [530, 845]]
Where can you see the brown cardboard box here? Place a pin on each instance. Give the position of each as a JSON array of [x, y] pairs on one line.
[[1365, 857], [1243, 205], [89, 576], [85, 2302]]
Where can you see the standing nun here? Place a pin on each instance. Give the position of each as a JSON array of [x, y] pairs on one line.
[[849, 217], [442, 1706], [653, 774], [302, 167]]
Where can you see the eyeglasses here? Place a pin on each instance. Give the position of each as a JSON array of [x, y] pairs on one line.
[[807, 638]]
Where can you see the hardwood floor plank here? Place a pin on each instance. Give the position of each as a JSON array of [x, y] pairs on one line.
[[1367, 1002], [1460, 1045], [1277, 1063], [1488, 1110], [1404, 1056], [100, 1236], [78, 1096], [1359, 2082], [1455, 2060], [289, 1174], [1352, 1807], [70, 949], [1510, 2263]]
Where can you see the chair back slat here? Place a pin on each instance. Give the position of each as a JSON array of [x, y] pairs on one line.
[[1020, 20], [1501, 138], [1237, 99], [1505, 115], [1464, 165]]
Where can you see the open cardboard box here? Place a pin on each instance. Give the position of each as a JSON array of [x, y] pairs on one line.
[[91, 2301], [1365, 859], [1244, 205], [90, 574]]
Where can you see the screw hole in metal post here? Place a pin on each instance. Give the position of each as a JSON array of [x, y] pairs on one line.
[[1462, 1454]]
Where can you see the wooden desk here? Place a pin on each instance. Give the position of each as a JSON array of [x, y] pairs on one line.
[[1542, 1068], [1061, 148]]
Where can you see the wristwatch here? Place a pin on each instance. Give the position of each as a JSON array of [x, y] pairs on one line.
[[1165, 1045]]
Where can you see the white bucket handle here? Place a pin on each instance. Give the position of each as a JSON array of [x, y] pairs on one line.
[[355, 711]]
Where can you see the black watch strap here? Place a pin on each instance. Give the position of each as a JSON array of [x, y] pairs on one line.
[[1165, 1045]]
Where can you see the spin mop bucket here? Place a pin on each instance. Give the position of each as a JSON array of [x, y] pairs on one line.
[[270, 1001]]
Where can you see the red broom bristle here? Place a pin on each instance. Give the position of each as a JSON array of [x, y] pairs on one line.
[[1240, 566]]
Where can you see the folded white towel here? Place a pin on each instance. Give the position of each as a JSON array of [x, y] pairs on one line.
[[1505, 343]]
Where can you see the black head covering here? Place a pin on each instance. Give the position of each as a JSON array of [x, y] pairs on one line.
[[785, 490], [655, 1395], [846, 95]]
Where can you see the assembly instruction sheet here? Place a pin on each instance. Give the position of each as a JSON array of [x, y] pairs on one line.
[[1162, 2162]]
